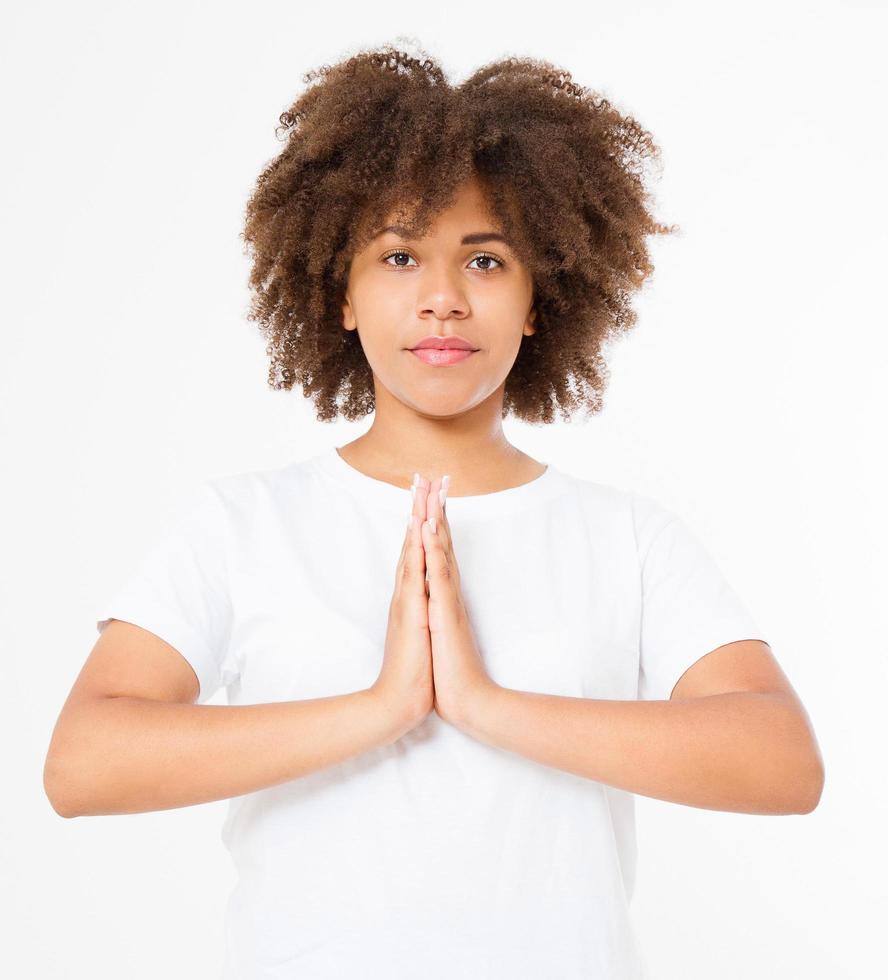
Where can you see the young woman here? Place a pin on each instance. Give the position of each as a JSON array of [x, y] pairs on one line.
[[449, 666]]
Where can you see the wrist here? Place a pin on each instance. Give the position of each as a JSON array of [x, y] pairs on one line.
[[477, 704], [396, 718]]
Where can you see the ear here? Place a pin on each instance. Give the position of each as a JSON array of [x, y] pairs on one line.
[[348, 317], [529, 326]]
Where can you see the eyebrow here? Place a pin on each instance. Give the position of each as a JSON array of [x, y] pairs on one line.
[[476, 238]]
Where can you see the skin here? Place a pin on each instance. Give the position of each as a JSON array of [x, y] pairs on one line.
[[733, 735], [441, 420]]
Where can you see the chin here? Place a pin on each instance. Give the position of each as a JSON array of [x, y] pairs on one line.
[[445, 407]]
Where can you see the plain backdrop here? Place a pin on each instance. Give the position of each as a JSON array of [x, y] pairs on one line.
[[749, 398]]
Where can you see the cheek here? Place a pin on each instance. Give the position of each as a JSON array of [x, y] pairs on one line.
[[502, 352], [382, 348]]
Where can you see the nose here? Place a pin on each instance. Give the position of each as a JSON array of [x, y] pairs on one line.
[[443, 301]]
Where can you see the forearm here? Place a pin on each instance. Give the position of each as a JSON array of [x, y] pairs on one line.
[[744, 752], [131, 755]]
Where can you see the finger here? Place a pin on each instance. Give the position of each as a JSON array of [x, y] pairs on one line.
[[437, 510], [438, 498], [428, 491], [433, 490], [432, 513], [420, 492], [410, 562], [416, 552], [437, 560], [434, 507], [405, 544], [413, 572], [422, 502], [445, 523], [414, 509], [442, 494]]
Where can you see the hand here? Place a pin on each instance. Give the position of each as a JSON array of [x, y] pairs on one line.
[[405, 683], [460, 677]]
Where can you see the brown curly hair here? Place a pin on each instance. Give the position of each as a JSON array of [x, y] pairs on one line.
[[385, 132]]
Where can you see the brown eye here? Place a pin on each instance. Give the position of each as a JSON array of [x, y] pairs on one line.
[[399, 251], [482, 256], [489, 258]]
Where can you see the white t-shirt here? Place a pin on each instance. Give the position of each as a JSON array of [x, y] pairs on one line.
[[437, 856]]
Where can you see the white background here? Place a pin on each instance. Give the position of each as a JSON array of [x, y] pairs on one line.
[[749, 398]]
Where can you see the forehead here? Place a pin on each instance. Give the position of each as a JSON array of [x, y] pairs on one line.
[[469, 210], [470, 238]]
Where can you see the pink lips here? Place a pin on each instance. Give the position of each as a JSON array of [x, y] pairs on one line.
[[441, 358]]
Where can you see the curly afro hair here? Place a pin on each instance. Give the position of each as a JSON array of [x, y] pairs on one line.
[[384, 132]]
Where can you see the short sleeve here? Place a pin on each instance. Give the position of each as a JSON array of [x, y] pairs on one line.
[[179, 588], [688, 608]]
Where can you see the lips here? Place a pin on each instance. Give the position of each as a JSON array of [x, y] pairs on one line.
[[441, 358], [444, 343]]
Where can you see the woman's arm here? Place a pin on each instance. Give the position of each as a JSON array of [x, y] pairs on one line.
[[131, 755], [130, 739], [741, 751]]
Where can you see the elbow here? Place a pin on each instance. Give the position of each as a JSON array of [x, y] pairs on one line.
[[60, 808], [56, 786], [818, 779], [70, 766], [57, 802], [814, 790], [815, 799], [807, 765]]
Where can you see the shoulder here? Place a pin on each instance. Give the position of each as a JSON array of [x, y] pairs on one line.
[[242, 497], [243, 485], [640, 515], [615, 501], [593, 495], [650, 516]]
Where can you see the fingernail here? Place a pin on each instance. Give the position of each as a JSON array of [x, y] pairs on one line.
[[442, 493], [433, 524]]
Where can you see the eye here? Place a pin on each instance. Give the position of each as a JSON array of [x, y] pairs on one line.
[[490, 258], [397, 251], [483, 255]]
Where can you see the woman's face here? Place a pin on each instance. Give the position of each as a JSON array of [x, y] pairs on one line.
[[458, 281]]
